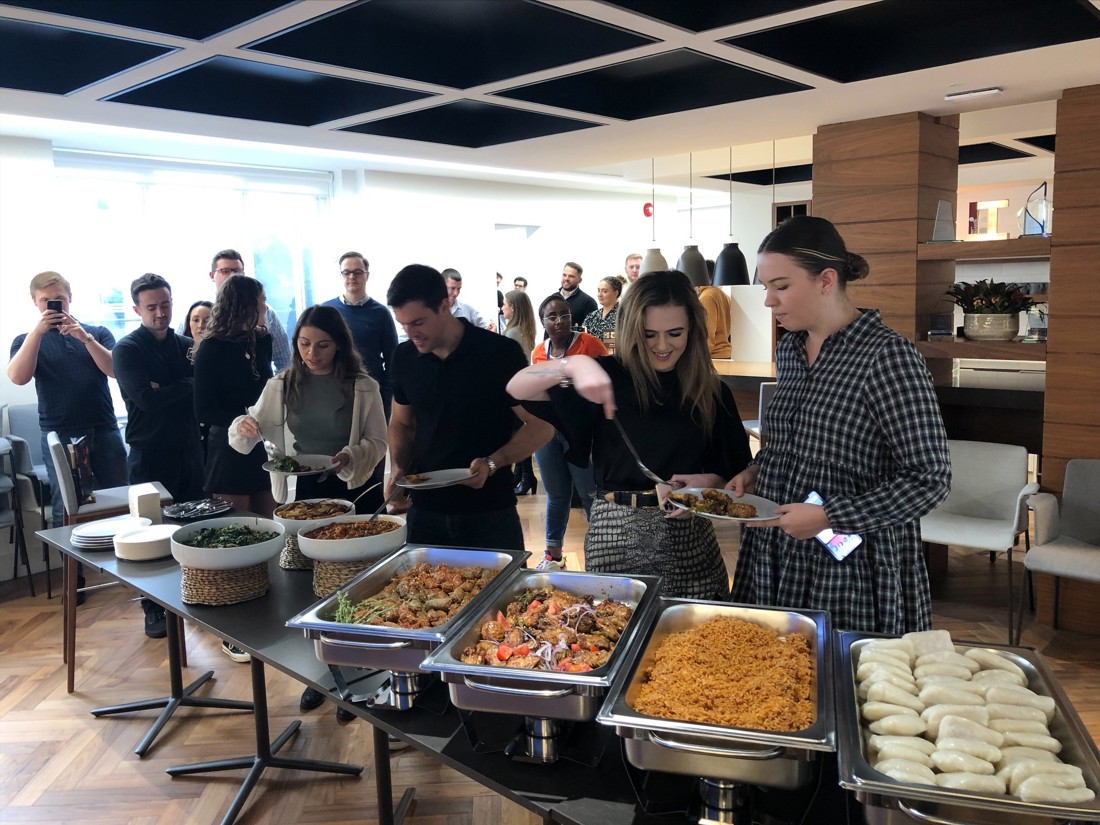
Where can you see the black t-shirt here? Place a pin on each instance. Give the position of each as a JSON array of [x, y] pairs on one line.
[[667, 436], [462, 412]]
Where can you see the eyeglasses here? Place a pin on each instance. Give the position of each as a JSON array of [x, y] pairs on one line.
[[226, 271], [554, 318], [353, 273]]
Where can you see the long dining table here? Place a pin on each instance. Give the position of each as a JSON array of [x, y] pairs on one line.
[[591, 784]]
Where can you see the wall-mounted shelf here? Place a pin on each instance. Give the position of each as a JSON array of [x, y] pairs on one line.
[[992, 350], [1013, 249]]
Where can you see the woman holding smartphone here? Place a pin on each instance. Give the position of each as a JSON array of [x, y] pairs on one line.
[[855, 419]]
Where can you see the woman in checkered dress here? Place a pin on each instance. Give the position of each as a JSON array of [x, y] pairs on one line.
[[854, 418]]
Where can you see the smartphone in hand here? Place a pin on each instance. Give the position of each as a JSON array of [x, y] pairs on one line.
[[54, 306], [840, 545]]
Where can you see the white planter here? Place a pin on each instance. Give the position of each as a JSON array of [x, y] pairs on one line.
[[1002, 327]]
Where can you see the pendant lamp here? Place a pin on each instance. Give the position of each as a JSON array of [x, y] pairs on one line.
[[692, 263], [730, 268], [653, 261]]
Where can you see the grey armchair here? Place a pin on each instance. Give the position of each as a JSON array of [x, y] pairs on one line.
[[1067, 539]]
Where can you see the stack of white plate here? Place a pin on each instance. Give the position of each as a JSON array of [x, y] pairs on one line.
[[100, 535], [146, 543]]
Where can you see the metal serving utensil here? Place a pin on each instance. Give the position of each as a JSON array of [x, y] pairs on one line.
[[389, 498], [648, 473]]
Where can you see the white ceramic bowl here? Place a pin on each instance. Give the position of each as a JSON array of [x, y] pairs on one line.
[[145, 543], [227, 558], [293, 525], [360, 549]]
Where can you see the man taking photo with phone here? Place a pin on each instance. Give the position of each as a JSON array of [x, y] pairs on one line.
[[70, 363]]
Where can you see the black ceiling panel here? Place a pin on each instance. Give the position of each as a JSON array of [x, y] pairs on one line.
[[470, 123], [988, 152], [763, 177], [41, 58], [241, 88], [895, 36], [675, 81], [460, 45], [702, 17], [1039, 142], [195, 19]]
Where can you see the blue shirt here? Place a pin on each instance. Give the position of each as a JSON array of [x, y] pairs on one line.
[[72, 390], [374, 334]]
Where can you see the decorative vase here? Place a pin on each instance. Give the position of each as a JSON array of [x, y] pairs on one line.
[[1002, 327]]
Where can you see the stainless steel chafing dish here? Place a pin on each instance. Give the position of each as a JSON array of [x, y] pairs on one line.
[[889, 801], [775, 759], [539, 693], [395, 648]]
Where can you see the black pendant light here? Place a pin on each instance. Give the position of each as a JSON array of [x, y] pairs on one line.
[[730, 267], [692, 263]]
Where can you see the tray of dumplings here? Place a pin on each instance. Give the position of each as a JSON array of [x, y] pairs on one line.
[[931, 730]]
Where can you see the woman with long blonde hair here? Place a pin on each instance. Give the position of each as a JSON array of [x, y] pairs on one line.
[[662, 387]]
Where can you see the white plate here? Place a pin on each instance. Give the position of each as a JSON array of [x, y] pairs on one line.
[[108, 528], [309, 460], [145, 543], [434, 479], [765, 510]]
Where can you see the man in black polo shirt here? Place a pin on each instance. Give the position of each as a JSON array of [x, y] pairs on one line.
[[156, 380], [451, 410]]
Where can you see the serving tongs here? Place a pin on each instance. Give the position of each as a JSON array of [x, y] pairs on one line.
[[648, 473]]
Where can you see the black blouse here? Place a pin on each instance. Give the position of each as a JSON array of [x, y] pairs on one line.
[[228, 378], [667, 436]]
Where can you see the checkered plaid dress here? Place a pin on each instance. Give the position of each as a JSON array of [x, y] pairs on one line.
[[862, 427]]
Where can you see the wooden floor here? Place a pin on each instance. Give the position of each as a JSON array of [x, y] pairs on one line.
[[59, 764]]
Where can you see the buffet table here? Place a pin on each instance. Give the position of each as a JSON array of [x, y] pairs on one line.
[[596, 788]]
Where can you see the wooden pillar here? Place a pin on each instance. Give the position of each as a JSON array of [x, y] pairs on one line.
[[880, 182], [1071, 415]]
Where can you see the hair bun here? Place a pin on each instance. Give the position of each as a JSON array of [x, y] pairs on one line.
[[858, 268]]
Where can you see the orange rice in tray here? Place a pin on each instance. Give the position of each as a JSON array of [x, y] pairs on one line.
[[734, 673]]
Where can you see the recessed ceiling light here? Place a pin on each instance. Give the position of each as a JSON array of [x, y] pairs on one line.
[[992, 90]]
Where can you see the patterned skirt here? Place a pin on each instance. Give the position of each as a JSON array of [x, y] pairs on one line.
[[684, 552]]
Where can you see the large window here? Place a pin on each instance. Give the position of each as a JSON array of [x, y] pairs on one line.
[[121, 216]]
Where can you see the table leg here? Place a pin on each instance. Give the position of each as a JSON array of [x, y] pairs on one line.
[[179, 696], [68, 644], [384, 787], [265, 751]]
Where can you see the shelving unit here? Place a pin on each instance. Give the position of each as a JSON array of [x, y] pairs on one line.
[[991, 350], [1028, 248]]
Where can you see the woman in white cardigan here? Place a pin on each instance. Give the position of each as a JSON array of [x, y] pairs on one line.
[[324, 403]]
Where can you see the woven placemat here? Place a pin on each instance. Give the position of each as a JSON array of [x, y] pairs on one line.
[[291, 558], [330, 576], [220, 587]]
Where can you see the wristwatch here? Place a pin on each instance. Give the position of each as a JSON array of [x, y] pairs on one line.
[[492, 465]]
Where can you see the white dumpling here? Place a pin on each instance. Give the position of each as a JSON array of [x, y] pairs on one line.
[[903, 752], [961, 781], [1038, 790], [892, 766], [899, 725], [958, 762], [974, 747], [935, 714], [879, 741], [929, 641], [891, 694], [873, 711]]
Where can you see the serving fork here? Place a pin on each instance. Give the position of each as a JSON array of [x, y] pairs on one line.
[[648, 473]]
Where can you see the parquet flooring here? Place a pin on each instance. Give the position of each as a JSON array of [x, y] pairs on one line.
[[59, 764]]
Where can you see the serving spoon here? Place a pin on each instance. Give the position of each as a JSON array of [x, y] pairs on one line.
[[648, 473]]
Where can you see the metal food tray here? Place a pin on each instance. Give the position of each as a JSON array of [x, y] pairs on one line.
[[880, 791], [396, 648], [540, 693], [772, 758]]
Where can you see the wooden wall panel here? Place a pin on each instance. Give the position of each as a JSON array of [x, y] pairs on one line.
[[1075, 188], [1053, 474], [1073, 333], [891, 267], [880, 236], [1077, 125], [1071, 441], [848, 204], [1077, 224], [898, 170], [911, 131], [1074, 281]]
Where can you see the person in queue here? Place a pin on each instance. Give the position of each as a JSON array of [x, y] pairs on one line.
[[155, 377], [451, 410], [224, 265], [580, 302], [632, 266], [460, 309], [855, 419], [519, 283], [661, 386], [198, 316], [601, 323], [324, 403], [561, 476], [519, 318]]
